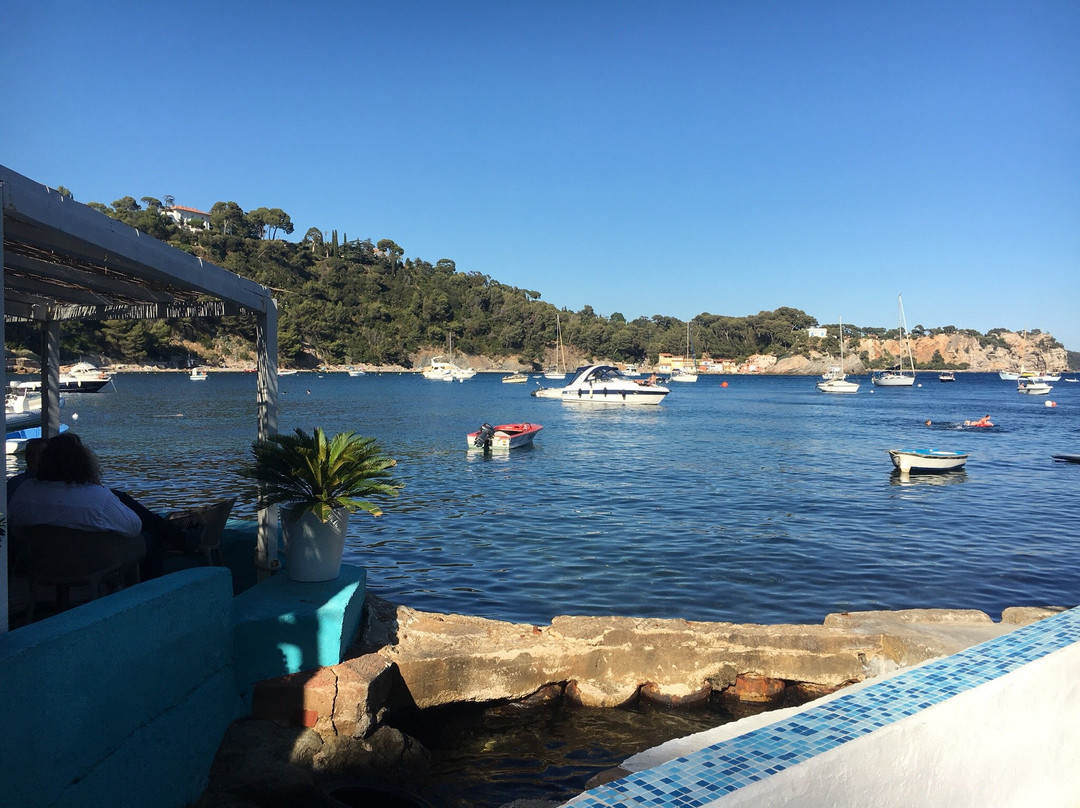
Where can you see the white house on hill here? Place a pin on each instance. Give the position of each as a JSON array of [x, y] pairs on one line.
[[195, 219]]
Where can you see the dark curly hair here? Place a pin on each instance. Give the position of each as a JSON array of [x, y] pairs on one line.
[[66, 460]]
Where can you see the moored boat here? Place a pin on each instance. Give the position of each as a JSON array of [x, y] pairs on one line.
[[605, 384], [686, 373], [82, 377], [946, 376], [502, 437], [515, 378], [834, 380], [439, 370], [1033, 388], [547, 392], [897, 375], [16, 440], [197, 375], [927, 460]]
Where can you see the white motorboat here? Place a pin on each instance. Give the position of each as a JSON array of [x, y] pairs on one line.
[[461, 374], [1033, 388], [515, 378], [1008, 376], [946, 376], [605, 384], [547, 392], [85, 370], [81, 377], [927, 460], [22, 409], [835, 380], [837, 386], [197, 375], [289, 372], [898, 376], [356, 372], [631, 370], [439, 370]]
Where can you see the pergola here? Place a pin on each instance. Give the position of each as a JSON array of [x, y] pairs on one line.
[[62, 261]]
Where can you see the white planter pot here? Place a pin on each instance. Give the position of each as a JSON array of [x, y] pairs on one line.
[[312, 548]]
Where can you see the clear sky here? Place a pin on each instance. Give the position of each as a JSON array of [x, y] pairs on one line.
[[639, 157]]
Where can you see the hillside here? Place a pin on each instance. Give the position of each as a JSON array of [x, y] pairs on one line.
[[348, 301]]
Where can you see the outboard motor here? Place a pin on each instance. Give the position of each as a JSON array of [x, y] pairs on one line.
[[484, 436]]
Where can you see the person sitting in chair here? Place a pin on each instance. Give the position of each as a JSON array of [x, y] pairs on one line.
[[68, 492]]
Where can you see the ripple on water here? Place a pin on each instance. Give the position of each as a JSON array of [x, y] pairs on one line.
[[764, 501]]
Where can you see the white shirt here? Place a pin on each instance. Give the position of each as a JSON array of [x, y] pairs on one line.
[[83, 507]]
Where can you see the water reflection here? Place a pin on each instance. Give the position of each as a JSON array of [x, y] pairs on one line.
[[935, 478], [748, 503]]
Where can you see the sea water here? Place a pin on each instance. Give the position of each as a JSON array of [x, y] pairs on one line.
[[762, 500]]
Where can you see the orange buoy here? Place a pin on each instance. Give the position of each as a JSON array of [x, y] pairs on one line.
[[723, 384]]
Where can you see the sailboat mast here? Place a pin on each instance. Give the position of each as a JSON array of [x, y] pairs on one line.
[[903, 331]]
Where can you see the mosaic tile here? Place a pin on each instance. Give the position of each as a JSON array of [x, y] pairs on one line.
[[703, 776]]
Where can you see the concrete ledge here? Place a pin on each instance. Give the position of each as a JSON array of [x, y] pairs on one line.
[[92, 686], [994, 724], [284, 627]]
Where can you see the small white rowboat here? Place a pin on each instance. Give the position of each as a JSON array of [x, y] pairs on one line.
[[921, 460]]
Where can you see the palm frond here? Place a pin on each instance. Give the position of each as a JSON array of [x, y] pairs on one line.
[[317, 474]]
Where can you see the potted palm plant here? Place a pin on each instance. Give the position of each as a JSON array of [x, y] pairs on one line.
[[319, 482]]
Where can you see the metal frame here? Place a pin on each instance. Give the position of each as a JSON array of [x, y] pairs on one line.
[[61, 261]]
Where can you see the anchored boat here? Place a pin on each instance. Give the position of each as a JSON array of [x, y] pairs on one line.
[[605, 384], [927, 460], [503, 437]]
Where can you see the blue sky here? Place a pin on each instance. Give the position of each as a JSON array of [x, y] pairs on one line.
[[639, 157]]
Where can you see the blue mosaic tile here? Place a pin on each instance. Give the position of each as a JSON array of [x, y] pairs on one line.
[[725, 767]]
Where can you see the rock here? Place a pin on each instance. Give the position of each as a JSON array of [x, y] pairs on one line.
[[600, 694], [1023, 615], [263, 763], [445, 658], [387, 755], [679, 695], [757, 689], [345, 699]]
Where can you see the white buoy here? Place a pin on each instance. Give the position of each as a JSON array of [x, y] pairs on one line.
[[74, 416], [1049, 403]]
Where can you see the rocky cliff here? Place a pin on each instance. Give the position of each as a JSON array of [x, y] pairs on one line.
[[1006, 351]]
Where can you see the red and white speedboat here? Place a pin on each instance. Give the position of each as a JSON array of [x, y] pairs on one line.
[[502, 437]]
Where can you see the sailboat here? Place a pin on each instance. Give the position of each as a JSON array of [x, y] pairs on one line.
[[559, 371], [444, 371], [897, 376], [835, 381], [686, 374]]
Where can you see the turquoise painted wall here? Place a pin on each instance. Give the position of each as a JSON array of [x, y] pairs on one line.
[[121, 701]]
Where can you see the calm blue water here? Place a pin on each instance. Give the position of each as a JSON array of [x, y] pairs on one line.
[[765, 501]]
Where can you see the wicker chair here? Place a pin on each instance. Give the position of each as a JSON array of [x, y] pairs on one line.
[[212, 518], [64, 557]]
